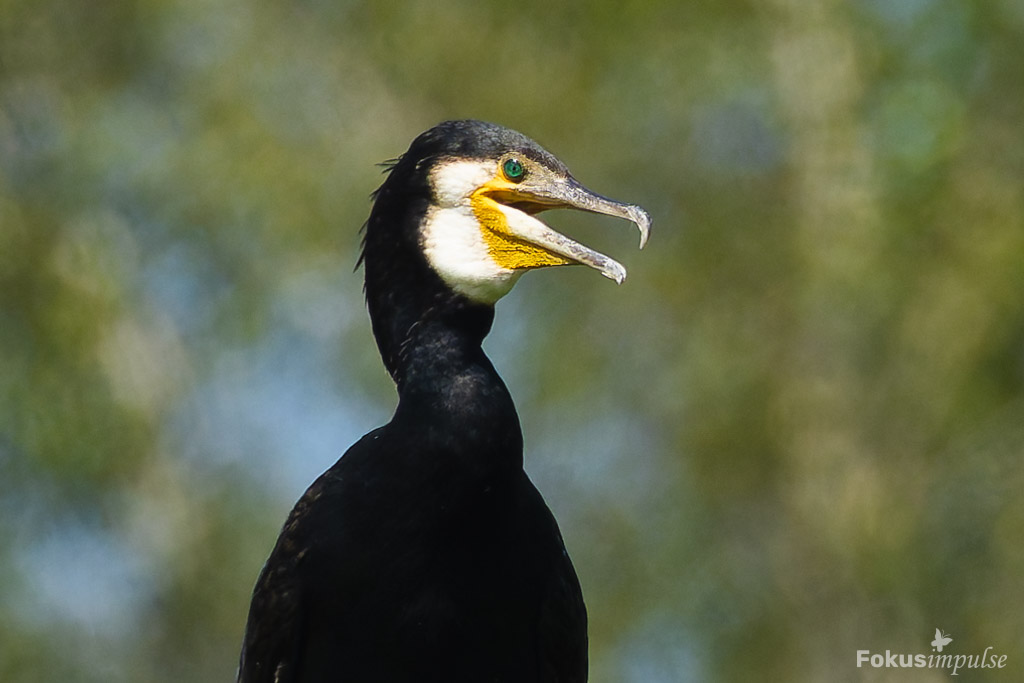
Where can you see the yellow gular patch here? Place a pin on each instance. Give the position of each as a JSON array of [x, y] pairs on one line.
[[506, 249]]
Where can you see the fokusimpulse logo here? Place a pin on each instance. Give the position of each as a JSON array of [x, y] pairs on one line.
[[936, 660]]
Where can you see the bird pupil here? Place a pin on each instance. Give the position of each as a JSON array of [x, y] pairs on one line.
[[513, 169]]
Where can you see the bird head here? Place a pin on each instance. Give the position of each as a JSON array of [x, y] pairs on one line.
[[454, 225], [480, 188]]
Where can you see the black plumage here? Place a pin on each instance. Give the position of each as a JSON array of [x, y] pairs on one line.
[[425, 553]]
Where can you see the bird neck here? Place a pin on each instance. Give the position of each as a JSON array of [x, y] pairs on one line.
[[451, 396], [439, 345], [430, 336]]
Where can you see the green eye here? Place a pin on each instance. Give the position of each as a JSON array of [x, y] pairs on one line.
[[513, 170]]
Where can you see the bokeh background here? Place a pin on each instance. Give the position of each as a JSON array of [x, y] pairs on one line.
[[795, 431]]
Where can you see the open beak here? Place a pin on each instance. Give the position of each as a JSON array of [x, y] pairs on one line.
[[568, 193]]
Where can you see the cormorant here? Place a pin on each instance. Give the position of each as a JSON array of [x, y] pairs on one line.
[[425, 553]]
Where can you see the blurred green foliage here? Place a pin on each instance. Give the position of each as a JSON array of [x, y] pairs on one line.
[[795, 432]]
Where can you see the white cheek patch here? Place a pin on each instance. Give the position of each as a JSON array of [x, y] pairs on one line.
[[454, 181], [450, 235], [456, 250]]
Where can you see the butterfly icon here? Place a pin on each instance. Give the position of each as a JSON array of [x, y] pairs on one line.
[[941, 640]]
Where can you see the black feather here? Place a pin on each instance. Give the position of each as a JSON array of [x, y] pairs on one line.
[[425, 553]]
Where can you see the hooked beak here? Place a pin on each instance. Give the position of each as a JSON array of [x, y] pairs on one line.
[[568, 193]]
